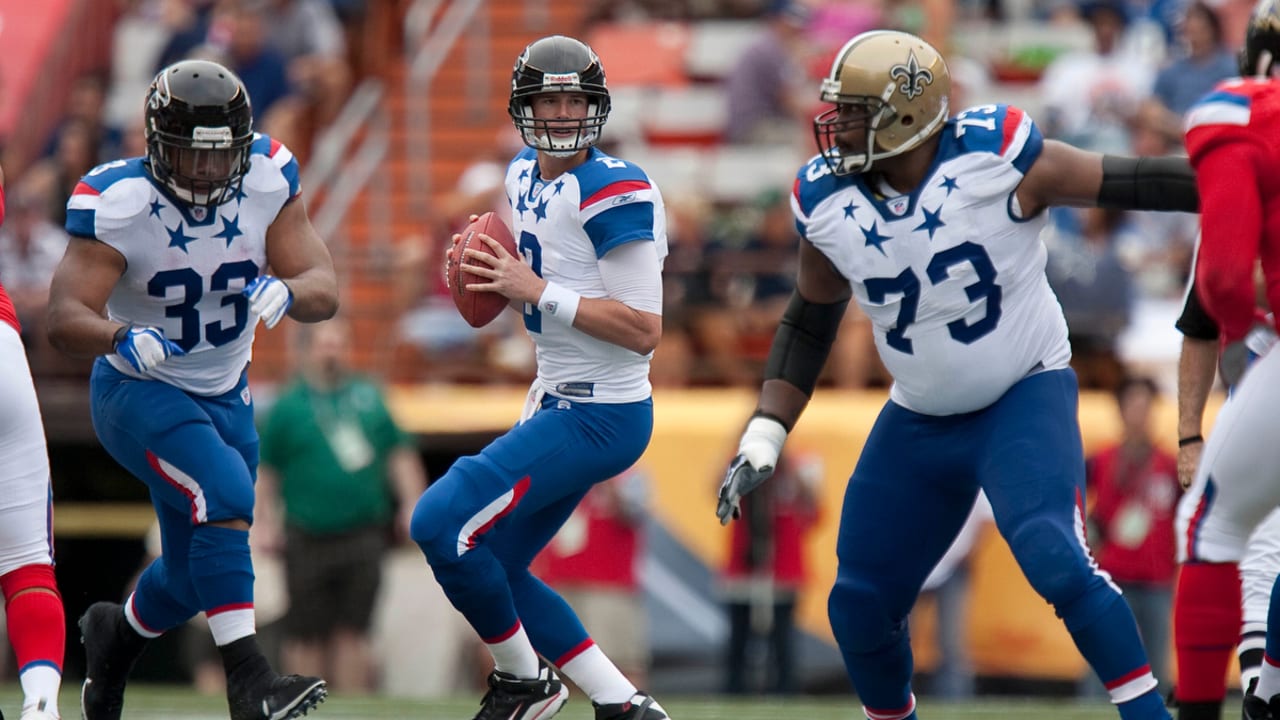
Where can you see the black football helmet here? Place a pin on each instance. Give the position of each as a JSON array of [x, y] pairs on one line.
[[1261, 40], [199, 127], [558, 64]]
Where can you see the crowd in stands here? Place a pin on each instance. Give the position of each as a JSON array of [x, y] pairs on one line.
[[294, 56], [1108, 75], [722, 117], [721, 114]]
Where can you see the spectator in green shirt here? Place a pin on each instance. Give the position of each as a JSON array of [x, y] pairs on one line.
[[336, 477]]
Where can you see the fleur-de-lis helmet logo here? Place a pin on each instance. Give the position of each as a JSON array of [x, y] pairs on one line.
[[913, 77]]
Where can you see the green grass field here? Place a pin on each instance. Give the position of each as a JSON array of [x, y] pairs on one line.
[[170, 703]]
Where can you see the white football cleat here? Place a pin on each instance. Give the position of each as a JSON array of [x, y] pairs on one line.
[[38, 712]]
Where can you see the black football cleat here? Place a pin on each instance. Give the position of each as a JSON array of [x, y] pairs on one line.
[[513, 698], [1255, 708], [111, 648], [274, 697], [641, 706]]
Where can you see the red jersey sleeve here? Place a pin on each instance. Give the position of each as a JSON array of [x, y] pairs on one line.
[[1231, 224]]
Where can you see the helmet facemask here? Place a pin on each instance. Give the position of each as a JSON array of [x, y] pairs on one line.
[[203, 172], [538, 132], [866, 113]]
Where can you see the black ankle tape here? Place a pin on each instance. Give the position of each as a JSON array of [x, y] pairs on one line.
[[237, 652]]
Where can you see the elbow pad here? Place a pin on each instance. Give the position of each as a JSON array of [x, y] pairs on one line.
[[1148, 183], [803, 341]]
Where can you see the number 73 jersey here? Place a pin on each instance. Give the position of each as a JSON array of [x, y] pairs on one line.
[[186, 265], [951, 278]]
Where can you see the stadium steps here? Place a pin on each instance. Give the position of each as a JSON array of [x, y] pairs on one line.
[[462, 130]]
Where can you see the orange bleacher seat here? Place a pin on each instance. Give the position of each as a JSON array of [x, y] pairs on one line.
[[650, 53], [715, 47], [694, 115]]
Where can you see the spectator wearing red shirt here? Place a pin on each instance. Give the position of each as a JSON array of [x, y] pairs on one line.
[[1134, 490], [593, 562], [764, 573]]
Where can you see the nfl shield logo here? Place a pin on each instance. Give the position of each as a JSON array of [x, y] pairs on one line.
[[898, 205], [198, 213]]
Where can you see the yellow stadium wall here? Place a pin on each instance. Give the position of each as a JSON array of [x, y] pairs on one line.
[[1012, 631]]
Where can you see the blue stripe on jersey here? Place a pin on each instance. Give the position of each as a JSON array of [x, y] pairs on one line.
[[108, 174], [983, 129], [526, 154], [1226, 96], [979, 129], [81, 223], [1030, 150], [290, 172], [262, 146], [619, 225], [601, 169], [814, 182]]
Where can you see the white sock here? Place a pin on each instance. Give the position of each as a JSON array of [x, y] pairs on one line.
[[598, 677], [515, 655], [1269, 680], [41, 682]]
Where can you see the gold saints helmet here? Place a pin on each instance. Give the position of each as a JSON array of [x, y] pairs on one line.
[[890, 85]]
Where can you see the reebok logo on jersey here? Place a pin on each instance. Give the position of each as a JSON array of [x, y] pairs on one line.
[[624, 198]]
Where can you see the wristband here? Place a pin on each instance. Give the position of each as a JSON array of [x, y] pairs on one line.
[[120, 334], [762, 414], [560, 303], [1190, 440]]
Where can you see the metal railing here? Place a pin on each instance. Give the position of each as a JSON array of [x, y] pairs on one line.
[[427, 46], [333, 142]]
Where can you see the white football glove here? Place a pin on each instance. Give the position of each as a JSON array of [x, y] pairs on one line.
[[758, 452], [269, 298], [146, 347]]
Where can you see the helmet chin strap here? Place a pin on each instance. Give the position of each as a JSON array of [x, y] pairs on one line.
[[868, 156], [182, 193]]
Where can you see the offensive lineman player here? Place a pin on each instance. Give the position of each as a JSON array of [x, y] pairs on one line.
[[933, 225]]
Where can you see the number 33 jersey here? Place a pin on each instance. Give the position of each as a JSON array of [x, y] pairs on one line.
[[187, 265], [951, 277]]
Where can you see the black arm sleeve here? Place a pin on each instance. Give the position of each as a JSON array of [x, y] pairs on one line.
[[1148, 183], [803, 341], [1194, 322]]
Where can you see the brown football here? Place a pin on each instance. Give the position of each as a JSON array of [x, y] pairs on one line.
[[478, 308]]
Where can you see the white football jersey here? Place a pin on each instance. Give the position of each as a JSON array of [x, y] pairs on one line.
[[186, 265], [562, 228], [952, 280]]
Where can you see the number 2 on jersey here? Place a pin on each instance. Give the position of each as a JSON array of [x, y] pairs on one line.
[[531, 250], [907, 285]]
